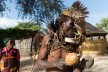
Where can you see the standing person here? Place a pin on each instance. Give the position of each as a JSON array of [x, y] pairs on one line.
[[64, 36], [9, 57]]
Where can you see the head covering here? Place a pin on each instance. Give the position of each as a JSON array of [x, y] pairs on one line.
[[77, 11], [7, 39]]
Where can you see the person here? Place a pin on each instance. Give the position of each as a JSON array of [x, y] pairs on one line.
[[56, 45], [9, 57]]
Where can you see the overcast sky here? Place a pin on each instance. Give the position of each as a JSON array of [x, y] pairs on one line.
[[98, 9]]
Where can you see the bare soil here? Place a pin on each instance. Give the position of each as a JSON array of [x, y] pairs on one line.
[[100, 64], [26, 64]]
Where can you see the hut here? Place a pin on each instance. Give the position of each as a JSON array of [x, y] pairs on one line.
[[95, 43], [24, 39]]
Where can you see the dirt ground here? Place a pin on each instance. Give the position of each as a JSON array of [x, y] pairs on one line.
[[26, 64], [100, 64]]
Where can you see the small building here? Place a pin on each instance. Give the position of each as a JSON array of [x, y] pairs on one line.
[[96, 42]]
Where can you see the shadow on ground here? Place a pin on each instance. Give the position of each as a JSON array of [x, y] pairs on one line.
[[26, 65]]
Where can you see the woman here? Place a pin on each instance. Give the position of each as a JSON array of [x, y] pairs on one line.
[[9, 57]]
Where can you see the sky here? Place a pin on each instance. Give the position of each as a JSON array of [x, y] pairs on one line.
[[98, 9]]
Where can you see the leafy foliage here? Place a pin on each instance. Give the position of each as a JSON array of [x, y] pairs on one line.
[[103, 24], [38, 10], [28, 25], [3, 7]]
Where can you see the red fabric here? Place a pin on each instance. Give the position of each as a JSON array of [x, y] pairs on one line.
[[8, 53], [13, 56]]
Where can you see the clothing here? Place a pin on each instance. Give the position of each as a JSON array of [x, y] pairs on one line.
[[12, 41], [9, 60], [6, 40]]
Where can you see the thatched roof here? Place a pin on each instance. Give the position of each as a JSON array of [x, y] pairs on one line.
[[94, 31]]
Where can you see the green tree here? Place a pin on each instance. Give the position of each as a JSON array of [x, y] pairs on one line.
[[103, 24], [38, 10], [28, 26]]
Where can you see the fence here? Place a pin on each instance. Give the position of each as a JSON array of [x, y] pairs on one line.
[[94, 47], [23, 46]]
